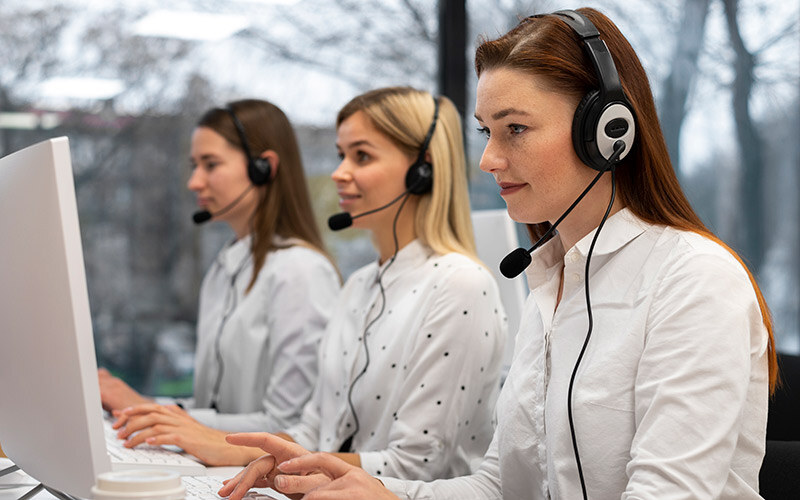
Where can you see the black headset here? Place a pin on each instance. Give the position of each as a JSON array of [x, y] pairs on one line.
[[259, 170], [419, 178], [603, 116]]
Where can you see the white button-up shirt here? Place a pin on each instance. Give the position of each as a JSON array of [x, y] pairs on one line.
[[670, 399], [425, 403], [256, 356]]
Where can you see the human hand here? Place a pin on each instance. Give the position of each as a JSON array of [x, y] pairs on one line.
[[342, 480], [260, 472], [156, 424], [116, 394]]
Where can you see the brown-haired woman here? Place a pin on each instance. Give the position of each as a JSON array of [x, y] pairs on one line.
[[645, 355], [267, 297]]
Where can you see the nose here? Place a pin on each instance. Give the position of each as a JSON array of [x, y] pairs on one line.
[[491, 159], [196, 180], [342, 173]]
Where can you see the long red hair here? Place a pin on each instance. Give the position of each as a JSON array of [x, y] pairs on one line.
[[547, 47]]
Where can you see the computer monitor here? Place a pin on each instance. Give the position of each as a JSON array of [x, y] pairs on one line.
[[50, 413]]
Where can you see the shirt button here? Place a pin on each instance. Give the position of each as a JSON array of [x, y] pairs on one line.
[[576, 277], [573, 257]]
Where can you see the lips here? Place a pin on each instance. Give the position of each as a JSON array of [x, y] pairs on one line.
[[510, 187], [347, 198]]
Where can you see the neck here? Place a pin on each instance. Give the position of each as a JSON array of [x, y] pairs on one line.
[[383, 237], [587, 216]]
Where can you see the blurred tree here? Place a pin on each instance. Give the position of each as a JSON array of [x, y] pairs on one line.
[[683, 70]]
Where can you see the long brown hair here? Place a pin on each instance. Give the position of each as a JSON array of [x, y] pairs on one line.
[[403, 115], [284, 205], [547, 47]]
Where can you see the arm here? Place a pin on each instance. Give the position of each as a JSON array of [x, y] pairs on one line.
[[704, 353], [116, 394], [342, 481], [170, 425]]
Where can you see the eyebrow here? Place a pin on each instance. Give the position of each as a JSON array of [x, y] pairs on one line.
[[206, 157], [505, 112], [355, 144]]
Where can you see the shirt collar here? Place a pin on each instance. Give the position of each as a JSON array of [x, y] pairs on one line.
[[233, 257], [411, 256], [620, 229]]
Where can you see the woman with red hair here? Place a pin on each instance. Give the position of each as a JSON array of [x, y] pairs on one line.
[[645, 355]]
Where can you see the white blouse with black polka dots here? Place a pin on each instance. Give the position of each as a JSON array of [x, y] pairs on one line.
[[426, 401]]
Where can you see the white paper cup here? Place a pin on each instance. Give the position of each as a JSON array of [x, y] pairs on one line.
[[139, 485]]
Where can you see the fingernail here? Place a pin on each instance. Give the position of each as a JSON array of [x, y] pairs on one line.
[[150, 440], [280, 465], [280, 482]]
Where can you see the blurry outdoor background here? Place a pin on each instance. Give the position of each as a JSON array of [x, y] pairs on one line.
[[126, 81]]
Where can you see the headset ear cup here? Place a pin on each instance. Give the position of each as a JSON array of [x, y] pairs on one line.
[[419, 178], [259, 170], [584, 133]]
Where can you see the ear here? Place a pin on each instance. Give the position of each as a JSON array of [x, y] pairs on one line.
[[274, 161]]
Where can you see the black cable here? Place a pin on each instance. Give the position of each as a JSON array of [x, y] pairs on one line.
[[348, 443], [613, 169], [225, 317]]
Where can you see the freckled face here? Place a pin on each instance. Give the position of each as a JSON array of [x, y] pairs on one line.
[[529, 144]]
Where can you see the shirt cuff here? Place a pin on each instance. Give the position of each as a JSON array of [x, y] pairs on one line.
[[396, 486]]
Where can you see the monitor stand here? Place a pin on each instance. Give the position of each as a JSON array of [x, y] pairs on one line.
[[39, 487]]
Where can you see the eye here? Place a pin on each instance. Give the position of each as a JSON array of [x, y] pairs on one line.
[[484, 131], [362, 157], [517, 129], [340, 155]]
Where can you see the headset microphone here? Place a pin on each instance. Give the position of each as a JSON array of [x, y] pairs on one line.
[[203, 216], [516, 262], [344, 219]]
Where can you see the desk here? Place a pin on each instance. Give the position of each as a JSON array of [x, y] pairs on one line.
[[16, 484]]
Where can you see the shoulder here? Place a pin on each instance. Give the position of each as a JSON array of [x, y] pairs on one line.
[[690, 261], [299, 262], [457, 272]]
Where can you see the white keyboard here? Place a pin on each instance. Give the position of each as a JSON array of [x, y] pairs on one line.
[[206, 488], [146, 456]]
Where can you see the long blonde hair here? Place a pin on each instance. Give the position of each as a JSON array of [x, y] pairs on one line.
[[404, 115]]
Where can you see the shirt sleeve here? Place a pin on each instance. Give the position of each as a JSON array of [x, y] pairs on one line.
[[300, 304], [484, 484], [705, 349], [453, 368], [306, 431]]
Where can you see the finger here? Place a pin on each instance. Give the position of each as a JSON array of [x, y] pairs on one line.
[[168, 438], [255, 475], [150, 432], [299, 484], [316, 462], [136, 424], [229, 484], [102, 372], [143, 409], [270, 443], [120, 421]]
